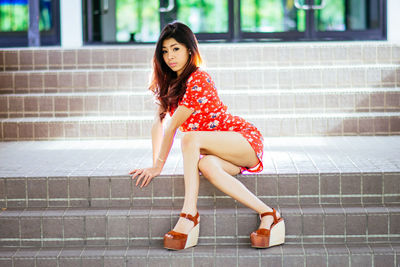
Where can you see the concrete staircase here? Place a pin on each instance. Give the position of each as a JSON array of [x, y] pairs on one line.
[[330, 113]]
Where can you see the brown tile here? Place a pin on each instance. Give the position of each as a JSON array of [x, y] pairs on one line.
[[87, 130], [41, 130], [71, 130], [16, 104], [138, 227], [99, 187], [120, 187], [394, 224], [56, 130], [11, 58], [79, 81], [76, 104], [61, 103], [110, 80], [50, 80], [124, 80], [356, 224], [69, 57], [372, 184], [117, 227], [52, 228], [37, 188], [350, 126], [381, 125], [10, 130], [31, 229], [55, 58], [58, 188], [84, 57], [94, 79], [287, 185], [74, 228], [46, 104], [111, 56], [40, 58], [98, 57], [96, 227], [26, 60], [394, 124], [6, 81], [31, 104], [366, 125], [309, 185], [25, 130], [65, 80], [103, 130], [351, 184], [119, 129], [126, 56], [377, 224], [36, 81]]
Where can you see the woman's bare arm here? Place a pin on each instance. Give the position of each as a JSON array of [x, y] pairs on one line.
[[180, 116]]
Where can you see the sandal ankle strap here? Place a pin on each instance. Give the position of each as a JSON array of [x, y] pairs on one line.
[[194, 219], [273, 213]]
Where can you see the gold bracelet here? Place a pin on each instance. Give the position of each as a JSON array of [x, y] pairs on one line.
[[160, 159]]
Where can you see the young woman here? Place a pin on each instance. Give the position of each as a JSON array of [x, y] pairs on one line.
[[216, 143]]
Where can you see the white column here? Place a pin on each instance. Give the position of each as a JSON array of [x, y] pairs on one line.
[[393, 21], [71, 23]]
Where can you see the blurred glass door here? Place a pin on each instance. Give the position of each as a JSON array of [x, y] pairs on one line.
[[313, 19], [14, 19], [140, 21]]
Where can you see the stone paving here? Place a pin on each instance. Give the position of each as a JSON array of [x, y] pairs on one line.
[[118, 157]]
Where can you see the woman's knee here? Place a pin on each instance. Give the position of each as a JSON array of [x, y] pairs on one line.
[[189, 140], [208, 166]]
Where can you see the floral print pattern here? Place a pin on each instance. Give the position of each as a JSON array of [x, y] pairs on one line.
[[210, 114]]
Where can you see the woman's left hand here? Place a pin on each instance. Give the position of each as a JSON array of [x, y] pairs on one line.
[[146, 174]]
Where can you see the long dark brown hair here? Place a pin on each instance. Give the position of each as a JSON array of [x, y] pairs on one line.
[[167, 86]]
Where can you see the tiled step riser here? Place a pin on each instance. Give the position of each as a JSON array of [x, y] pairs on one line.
[[386, 254], [334, 188], [128, 128], [229, 78], [214, 55], [138, 227], [12, 106]]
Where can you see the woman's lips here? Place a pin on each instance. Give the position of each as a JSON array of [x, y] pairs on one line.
[[172, 65]]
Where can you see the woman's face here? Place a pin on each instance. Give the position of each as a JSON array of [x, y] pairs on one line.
[[175, 55]]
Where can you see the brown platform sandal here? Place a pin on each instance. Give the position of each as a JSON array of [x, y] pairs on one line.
[[265, 238], [177, 241]]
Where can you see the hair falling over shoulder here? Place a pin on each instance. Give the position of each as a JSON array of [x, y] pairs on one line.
[[165, 84]]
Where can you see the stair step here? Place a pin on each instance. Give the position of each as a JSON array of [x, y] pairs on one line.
[[214, 55], [267, 101], [127, 127], [305, 223], [368, 255], [335, 170], [326, 76]]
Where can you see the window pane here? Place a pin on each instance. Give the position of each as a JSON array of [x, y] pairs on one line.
[[137, 20], [14, 15], [342, 15], [206, 16], [271, 16]]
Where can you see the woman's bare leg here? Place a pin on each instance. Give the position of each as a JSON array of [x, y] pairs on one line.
[[231, 150]]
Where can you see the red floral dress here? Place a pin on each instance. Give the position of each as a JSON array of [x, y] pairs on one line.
[[210, 114]]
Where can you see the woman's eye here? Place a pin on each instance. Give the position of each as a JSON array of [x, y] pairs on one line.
[[164, 52], [176, 49]]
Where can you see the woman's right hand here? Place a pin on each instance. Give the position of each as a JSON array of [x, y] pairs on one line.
[[146, 174]]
